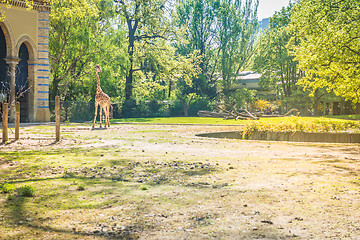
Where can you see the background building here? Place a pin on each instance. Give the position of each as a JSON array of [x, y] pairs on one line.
[[24, 59]]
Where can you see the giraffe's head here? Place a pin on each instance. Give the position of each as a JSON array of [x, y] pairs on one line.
[[98, 68]]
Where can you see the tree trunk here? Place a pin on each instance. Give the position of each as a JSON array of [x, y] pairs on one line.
[[55, 87], [186, 107], [129, 76], [129, 84]]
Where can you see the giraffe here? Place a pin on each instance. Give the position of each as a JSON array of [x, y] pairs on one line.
[[101, 99]]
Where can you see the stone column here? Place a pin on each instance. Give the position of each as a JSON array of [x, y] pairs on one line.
[[12, 62]]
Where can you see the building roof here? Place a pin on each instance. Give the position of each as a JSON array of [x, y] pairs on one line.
[[248, 76]]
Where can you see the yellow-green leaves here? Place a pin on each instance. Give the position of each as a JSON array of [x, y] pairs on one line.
[[329, 49], [73, 9]]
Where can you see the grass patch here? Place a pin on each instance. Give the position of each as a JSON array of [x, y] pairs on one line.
[[180, 120], [147, 180], [348, 117], [220, 121]]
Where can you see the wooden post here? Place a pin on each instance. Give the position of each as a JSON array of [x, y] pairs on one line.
[[17, 121], [5, 136], [57, 117]]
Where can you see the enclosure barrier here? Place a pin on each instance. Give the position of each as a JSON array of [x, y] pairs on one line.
[[328, 137], [5, 107], [57, 118], [17, 121]]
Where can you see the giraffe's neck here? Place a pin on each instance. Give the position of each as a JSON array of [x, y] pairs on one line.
[[98, 88]]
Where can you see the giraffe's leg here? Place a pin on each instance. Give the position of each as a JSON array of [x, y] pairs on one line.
[[108, 115], [105, 115], [101, 108], [105, 121], [96, 107]]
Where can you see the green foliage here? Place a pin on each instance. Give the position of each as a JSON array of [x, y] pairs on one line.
[[176, 108], [147, 28], [199, 104], [326, 44], [26, 191], [144, 187], [237, 28], [78, 111], [272, 58], [196, 18], [131, 108], [81, 188], [8, 188], [223, 32], [299, 124], [81, 36], [242, 97]]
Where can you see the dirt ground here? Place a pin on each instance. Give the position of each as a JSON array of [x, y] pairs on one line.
[[181, 186]]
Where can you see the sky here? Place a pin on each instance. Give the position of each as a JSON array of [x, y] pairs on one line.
[[267, 8]]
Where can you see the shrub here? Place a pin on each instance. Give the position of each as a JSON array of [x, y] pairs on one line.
[[298, 124], [144, 187], [26, 191], [158, 109], [176, 108], [131, 108], [10, 197], [198, 105], [81, 111], [8, 188]]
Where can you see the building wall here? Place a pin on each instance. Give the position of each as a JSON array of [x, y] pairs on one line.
[[32, 28]]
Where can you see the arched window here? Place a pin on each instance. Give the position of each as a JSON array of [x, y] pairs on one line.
[[22, 69], [22, 83]]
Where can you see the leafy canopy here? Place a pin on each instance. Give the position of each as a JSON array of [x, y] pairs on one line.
[[328, 33]]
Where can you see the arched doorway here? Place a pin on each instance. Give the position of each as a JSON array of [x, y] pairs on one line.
[[4, 77], [22, 83]]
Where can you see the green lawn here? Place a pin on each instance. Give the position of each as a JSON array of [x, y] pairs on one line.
[[349, 117], [180, 120], [220, 121]]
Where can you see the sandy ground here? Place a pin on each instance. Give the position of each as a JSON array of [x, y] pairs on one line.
[[258, 189]]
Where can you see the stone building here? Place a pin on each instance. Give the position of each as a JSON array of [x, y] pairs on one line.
[[24, 59]]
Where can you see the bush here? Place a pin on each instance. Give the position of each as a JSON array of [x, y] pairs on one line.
[[81, 188], [144, 187], [26, 191], [81, 111], [131, 108], [8, 188], [158, 109], [176, 108], [198, 105], [298, 124]]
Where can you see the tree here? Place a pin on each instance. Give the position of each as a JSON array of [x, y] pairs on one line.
[[237, 27], [326, 44], [145, 22], [272, 58], [224, 32], [75, 35], [197, 19]]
